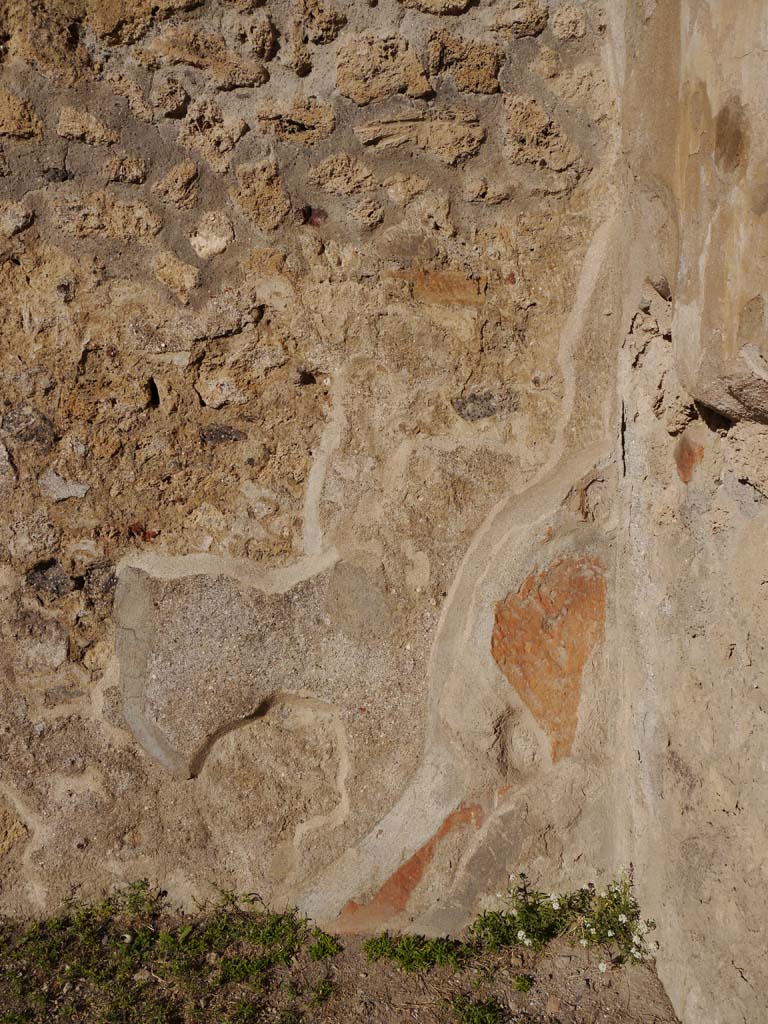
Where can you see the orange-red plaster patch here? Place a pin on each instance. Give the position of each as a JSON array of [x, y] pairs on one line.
[[542, 638], [688, 455], [392, 898]]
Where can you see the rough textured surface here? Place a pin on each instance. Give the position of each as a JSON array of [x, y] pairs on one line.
[[382, 459], [542, 638]]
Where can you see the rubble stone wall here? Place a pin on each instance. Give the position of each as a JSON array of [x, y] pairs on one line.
[[382, 459]]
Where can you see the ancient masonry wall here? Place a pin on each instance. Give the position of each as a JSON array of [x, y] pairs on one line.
[[381, 486]]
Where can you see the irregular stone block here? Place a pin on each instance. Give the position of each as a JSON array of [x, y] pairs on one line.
[[80, 126], [370, 67], [532, 136], [212, 235], [306, 121], [207, 51], [474, 64], [18, 118], [451, 136], [212, 133], [179, 185], [261, 194], [521, 18]]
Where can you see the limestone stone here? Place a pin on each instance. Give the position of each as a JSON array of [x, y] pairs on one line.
[[532, 136], [320, 20], [451, 136], [12, 832], [44, 38], [438, 6], [295, 53], [305, 121], [179, 185], [177, 276], [474, 64], [402, 188], [125, 21], [370, 67], [569, 22], [547, 62], [261, 194], [211, 133], [344, 175], [18, 118], [82, 126], [101, 214], [207, 51], [57, 488], [128, 170], [521, 18], [259, 34], [212, 235], [127, 86], [169, 97]]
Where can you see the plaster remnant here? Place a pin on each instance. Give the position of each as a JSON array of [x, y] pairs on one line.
[[543, 637]]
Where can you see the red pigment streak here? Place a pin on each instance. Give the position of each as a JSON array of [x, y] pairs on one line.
[[392, 898]]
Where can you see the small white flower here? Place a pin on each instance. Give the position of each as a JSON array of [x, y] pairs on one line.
[[592, 931], [637, 954], [610, 934], [555, 904], [622, 918], [521, 934], [636, 940], [528, 942], [602, 967], [642, 927], [583, 942]]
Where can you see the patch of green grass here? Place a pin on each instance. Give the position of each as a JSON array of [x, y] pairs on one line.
[[417, 953], [465, 1011], [322, 991], [245, 969], [324, 946], [122, 960], [246, 1011], [127, 959]]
